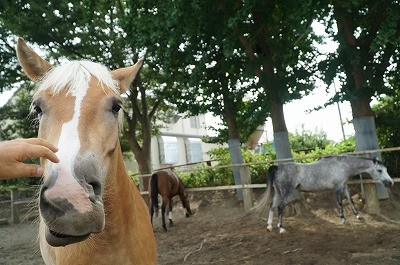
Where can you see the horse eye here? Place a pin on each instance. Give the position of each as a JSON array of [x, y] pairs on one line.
[[116, 108], [380, 170], [38, 110]]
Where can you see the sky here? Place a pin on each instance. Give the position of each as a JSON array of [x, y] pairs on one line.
[[297, 116], [5, 96]]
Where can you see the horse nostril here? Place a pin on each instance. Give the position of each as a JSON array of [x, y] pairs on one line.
[[92, 190], [96, 186], [388, 183]]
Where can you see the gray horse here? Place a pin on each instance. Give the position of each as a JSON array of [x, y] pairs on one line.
[[331, 172]]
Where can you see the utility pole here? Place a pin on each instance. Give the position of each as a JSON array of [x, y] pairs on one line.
[[340, 112]]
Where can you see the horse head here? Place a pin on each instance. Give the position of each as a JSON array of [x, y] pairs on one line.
[[379, 172], [77, 105]]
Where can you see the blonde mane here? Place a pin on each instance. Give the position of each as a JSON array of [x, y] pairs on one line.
[[76, 74]]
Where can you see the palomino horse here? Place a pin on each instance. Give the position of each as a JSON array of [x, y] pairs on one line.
[[331, 172], [90, 210], [167, 184]]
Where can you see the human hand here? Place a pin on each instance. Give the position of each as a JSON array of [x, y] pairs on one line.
[[13, 153]]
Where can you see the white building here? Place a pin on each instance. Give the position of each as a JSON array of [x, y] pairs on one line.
[[179, 143]]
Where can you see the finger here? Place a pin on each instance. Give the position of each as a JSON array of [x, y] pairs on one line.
[[41, 151], [42, 142], [28, 170]]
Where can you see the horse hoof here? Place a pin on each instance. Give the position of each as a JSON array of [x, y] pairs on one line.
[[269, 228], [361, 218], [187, 215], [282, 230], [344, 221]]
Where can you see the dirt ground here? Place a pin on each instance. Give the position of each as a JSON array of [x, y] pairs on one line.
[[220, 232]]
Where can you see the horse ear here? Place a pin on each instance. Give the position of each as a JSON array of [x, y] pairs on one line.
[[126, 75], [34, 66]]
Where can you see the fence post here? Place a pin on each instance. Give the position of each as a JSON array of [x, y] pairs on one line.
[[247, 193], [371, 198], [14, 206]]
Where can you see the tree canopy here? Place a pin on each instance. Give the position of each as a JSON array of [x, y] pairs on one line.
[[368, 55], [241, 61]]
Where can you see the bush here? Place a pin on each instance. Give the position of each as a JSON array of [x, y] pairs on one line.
[[224, 176]]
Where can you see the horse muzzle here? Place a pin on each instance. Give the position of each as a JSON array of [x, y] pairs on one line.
[[388, 183], [71, 211]]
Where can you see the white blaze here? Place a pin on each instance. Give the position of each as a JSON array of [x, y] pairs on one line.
[[69, 144]]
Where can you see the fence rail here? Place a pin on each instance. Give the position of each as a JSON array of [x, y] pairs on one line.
[[366, 152], [260, 186], [16, 202]]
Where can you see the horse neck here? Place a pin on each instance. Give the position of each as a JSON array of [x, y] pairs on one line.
[[118, 189], [181, 194], [358, 165]]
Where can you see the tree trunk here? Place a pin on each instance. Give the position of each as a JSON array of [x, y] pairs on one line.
[[281, 138], [241, 176], [143, 159], [363, 116], [141, 148], [366, 136]]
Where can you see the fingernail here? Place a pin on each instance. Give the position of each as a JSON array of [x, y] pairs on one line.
[[39, 171]]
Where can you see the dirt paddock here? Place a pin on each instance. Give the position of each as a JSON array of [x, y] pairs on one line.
[[220, 232]]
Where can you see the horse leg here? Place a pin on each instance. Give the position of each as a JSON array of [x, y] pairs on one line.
[[170, 213], [164, 203], [275, 201], [280, 213], [151, 212], [353, 207], [339, 192]]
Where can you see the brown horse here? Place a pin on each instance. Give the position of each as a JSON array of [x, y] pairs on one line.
[[90, 210], [167, 184]]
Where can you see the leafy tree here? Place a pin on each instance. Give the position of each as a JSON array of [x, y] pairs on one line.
[[388, 129], [92, 30], [227, 51], [277, 38], [16, 121], [368, 36], [208, 74], [8, 72], [307, 141]]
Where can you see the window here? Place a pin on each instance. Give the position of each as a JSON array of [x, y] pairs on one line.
[[195, 122], [168, 147], [193, 150]]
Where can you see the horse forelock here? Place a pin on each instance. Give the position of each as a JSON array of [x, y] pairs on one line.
[[73, 76], [76, 74]]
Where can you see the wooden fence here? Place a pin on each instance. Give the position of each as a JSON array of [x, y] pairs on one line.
[[369, 190], [16, 202]]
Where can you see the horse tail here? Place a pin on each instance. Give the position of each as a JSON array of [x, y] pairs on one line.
[[261, 205], [154, 190]]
